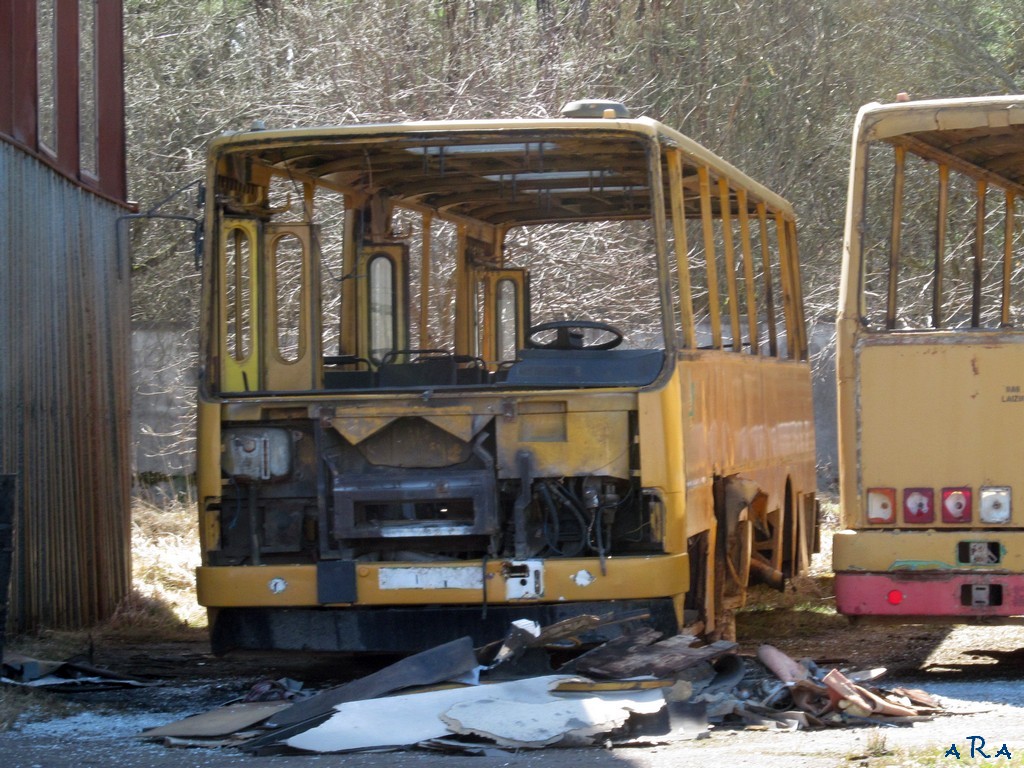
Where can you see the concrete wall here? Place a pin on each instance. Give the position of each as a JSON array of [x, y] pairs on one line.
[[823, 367], [163, 411]]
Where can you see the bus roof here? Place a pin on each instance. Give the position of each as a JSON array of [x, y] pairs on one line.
[[982, 136], [500, 172]]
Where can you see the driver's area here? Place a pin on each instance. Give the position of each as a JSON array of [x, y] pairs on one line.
[[509, 312], [581, 353]]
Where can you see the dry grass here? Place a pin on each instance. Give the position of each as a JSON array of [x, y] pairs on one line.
[[165, 554]]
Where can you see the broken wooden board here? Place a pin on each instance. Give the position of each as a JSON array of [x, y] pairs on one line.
[[222, 721], [663, 659], [613, 650], [522, 636], [611, 686]]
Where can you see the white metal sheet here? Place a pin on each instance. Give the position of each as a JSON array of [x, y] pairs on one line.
[[423, 577]]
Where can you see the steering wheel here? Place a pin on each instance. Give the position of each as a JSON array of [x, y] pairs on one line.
[[569, 335]]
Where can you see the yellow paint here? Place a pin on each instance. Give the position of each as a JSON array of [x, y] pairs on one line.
[[714, 413], [957, 422], [572, 436], [883, 550], [626, 578], [208, 460], [747, 415], [296, 371]]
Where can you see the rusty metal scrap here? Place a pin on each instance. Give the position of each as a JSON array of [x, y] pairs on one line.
[[798, 694]]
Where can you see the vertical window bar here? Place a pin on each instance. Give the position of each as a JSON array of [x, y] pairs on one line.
[[941, 223], [1011, 205], [709, 256], [979, 253], [675, 170], [660, 226], [800, 326], [424, 336], [748, 270], [725, 201], [894, 238], [787, 279], [769, 294]]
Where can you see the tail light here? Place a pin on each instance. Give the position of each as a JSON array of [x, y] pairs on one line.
[[995, 506], [881, 505], [918, 505], [956, 505]]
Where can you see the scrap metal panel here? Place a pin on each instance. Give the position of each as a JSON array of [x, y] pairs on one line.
[[64, 416]]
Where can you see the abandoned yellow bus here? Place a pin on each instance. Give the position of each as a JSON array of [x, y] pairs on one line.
[[931, 364], [462, 373]]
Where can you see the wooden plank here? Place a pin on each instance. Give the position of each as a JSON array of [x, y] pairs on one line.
[[218, 722], [661, 659], [612, 651]]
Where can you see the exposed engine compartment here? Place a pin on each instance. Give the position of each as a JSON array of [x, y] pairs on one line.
[[412, 491]]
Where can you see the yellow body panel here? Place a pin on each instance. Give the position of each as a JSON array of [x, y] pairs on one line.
[[916, 550], [749, 416], [958, 421], [567, 436], [565, 580]]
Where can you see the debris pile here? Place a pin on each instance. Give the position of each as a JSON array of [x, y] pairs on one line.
[[538, 688], [776, 691], [73, 675]]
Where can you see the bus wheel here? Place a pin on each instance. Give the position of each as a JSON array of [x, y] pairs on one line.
[[771, 536], [734, 550]]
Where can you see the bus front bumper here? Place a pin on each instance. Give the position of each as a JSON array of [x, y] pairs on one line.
[[347, 583]]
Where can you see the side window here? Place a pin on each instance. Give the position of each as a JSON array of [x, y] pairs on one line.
[[239, 306], [381, 292], [736, 276], [501, 310], [238, 292], [289, 297], [507, 320], [382, 306]]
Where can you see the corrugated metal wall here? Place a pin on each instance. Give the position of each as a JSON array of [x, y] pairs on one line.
[[64, 416]]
